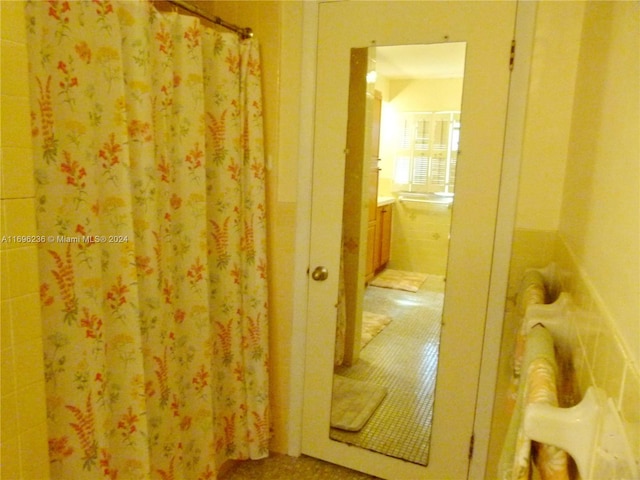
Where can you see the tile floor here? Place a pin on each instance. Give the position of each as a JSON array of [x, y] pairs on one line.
[[404, 358], [283, 467]]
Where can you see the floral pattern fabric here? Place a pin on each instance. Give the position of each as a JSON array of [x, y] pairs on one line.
[[148, 144]]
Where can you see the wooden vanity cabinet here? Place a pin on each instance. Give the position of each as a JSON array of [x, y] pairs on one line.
[[379, 240]]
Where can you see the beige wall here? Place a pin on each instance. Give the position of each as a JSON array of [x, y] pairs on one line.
[[549, 111], [601, 210], [23, 435]]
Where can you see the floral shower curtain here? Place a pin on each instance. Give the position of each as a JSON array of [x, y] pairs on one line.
[[147, 134]]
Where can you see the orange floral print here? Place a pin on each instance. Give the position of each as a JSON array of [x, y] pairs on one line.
[[162, 374], [110, 155], [66, 283], [179, 316], [208, 474], [221, 237], [128, 425], [259, 170], [103, 8], [195, 158], [85, 429], [143, 265], [92, 323], [262, 269], [59, 449], [217, 130], [74, 172], [176, 201], [175, 405], [49, 142], [255, 336], [56, 8], [230, 433], [140, 131], [195, 274], [192, 35], [236, 274], [261, 427], [201, 379], [238, 371], [254, 68], [170, 473], [235, 170], [116, 295], [167, 291], [164, 167], [224, 334], [185, 423], [69, 80], [45, 297], [233, 62], [105, 462], [247, 243], [163, 37], [84, 52]]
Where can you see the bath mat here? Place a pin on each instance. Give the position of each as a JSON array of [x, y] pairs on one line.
[[353, 402], [399, 280], [372, 325]]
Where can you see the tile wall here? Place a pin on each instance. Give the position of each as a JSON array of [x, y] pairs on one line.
[[23, 440], [600, 354], [420, 237]]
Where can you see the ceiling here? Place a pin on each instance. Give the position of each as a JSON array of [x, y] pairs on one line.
[[439, 60]]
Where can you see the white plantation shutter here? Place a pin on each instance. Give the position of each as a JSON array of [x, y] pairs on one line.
[[426, 154]]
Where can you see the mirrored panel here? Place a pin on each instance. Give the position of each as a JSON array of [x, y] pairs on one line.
[[403, 133]]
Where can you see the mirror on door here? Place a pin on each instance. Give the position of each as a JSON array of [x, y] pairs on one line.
[[402, 145]]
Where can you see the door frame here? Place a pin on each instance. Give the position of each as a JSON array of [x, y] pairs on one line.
[[505, 225], [525, 21]]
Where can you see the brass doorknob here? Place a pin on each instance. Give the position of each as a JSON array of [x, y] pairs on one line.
[[319, 274]]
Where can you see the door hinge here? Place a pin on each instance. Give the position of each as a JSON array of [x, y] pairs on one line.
[[512, 54], [471, 446]]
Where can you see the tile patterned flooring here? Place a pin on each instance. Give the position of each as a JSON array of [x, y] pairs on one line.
[[404, 358], [283, 467]]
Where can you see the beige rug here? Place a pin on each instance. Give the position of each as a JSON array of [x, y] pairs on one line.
[[372, 325], [353, 402], [399, 280]]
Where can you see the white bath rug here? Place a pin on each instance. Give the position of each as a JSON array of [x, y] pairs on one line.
[[372, 325], [399, 280], [353, 402]]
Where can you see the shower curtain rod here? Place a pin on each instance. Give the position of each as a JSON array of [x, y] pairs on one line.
[[244, 32]]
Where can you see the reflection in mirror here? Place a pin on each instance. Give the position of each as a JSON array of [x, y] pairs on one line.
[[402, 143]]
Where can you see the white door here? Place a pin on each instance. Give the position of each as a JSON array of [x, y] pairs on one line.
[[488, 29]]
